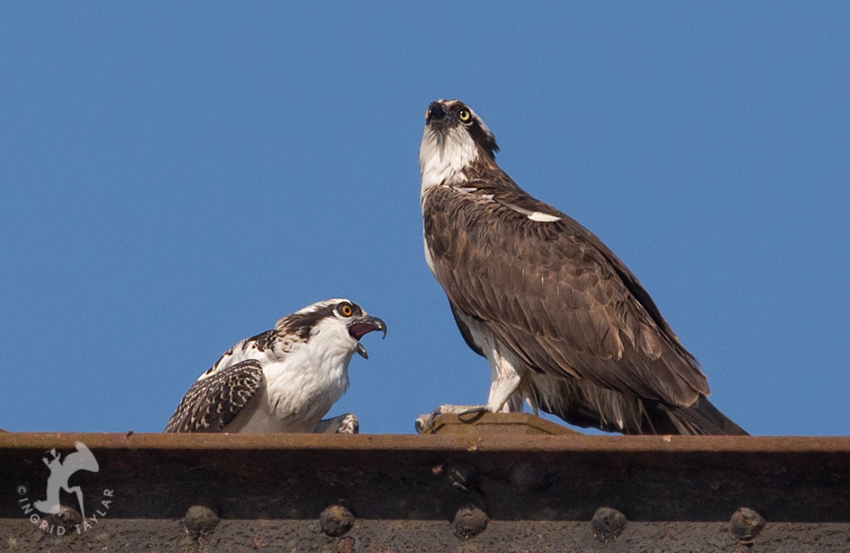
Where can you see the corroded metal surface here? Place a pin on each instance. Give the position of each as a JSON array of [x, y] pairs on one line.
[[405, 492], [497, 425], [398, 536]]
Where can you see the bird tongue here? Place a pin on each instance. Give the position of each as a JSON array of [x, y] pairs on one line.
[[359, 330]]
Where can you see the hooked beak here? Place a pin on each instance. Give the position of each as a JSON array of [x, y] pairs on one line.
[[436, 113], [363, 326]]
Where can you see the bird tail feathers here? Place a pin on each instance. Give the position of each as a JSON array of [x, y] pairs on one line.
[[582, 403]]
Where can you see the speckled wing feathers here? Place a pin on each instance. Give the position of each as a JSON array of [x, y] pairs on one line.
[[213, 402]]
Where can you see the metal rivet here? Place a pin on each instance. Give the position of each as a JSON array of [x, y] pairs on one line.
[[745, 525], [336, 520], [607, 523], [200, 520], [470, 521], [67, 518]]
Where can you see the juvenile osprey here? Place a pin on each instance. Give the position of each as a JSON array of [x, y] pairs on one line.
[[283, 380], [565, 326]]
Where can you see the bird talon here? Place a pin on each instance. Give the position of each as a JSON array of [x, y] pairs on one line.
[[349, 425], [431, 416], [478, 410], [424, 422]]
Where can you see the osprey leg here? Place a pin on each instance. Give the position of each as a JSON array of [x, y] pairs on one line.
[[506, 379]]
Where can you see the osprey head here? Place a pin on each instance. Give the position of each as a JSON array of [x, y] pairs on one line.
[[336, 324], [454, 139]]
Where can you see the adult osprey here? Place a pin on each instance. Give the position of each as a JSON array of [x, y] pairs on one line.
[[283, 380], [564, 324]]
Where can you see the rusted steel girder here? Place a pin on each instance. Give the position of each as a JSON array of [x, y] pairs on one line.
[[522, 487]]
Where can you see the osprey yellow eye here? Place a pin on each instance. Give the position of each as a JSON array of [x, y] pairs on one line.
[[464, 115], [345, 310]]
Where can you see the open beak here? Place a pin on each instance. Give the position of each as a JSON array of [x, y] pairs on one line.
[[363, 326]]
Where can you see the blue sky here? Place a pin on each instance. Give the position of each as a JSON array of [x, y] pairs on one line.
[[176, 177]]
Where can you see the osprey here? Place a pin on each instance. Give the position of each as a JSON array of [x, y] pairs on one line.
[[283, 380], [564, 325]]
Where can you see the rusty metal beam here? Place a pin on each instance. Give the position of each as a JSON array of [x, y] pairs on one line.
[[527, 482]]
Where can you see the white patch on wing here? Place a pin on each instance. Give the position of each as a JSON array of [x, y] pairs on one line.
[[443, 155], [535, 216], [543, 217], [472, 190]]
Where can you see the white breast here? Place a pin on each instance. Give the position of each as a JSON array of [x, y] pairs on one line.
[[298, 392], [444, 155], [302, 385]]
